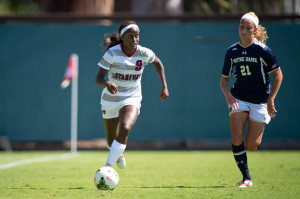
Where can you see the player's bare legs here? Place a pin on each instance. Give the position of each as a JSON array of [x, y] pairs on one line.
[[128, 116], [121, 128], [254, 134], [238, 122], [111, 129]]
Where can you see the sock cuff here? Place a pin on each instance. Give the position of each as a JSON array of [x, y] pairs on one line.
[[238, 149], [118, 146]]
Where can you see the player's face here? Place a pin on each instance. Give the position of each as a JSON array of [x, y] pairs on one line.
[[246, 30], [131, 39]]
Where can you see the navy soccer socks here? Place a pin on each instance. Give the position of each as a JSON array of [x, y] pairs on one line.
[[240, 157]]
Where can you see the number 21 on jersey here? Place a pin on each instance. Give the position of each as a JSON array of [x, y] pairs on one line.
[[245, 70]]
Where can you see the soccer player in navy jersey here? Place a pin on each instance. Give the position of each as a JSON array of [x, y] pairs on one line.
[[124, 63], [251, 98]]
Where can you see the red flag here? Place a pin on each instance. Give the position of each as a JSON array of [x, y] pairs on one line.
[[70, 72]]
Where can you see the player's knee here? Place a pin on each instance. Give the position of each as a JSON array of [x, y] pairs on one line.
[[237, 140], [253, 145], [124, 130]]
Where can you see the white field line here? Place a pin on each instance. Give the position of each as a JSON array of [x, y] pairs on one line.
[[37, 160]]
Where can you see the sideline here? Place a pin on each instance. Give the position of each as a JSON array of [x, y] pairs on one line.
[[37, 160]]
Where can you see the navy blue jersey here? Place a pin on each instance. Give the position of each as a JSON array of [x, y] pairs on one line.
[[251, 67]]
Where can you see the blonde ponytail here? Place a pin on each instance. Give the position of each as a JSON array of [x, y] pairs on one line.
[[260, 33]]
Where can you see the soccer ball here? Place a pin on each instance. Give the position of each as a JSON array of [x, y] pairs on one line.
[[106, 178]]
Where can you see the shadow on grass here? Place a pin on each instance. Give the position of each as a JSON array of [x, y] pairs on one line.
[[143, 187], [40, 188], [76, 188], [184, 187], [25, 188]]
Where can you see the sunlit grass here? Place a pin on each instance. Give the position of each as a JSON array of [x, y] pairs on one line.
[[153, 174]]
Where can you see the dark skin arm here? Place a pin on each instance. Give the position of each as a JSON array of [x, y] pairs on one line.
[[100, 81], [119, 128], [164, 93], [113, 89]]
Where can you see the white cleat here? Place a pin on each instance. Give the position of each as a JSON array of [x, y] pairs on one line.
[[245, 183], [121, 162]]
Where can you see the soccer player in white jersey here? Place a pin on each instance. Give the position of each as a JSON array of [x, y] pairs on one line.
[[124, 62], [251, 98]]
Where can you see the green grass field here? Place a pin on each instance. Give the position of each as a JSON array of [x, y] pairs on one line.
[[150, 174]]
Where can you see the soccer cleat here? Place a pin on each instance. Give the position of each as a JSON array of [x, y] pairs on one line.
[[245, 183], [121, 162]]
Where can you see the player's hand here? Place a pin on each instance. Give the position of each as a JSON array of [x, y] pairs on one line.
[[231, 102], [271, 108], [111, 87], [164, 93]]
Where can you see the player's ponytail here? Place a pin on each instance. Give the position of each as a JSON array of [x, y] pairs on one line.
[[112, 39], [260, 32]]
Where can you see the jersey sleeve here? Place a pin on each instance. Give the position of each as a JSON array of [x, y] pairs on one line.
[[227, 67], [106, 61], [271, 60], [150, 56]]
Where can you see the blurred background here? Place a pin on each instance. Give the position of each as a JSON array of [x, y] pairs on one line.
[[189, 36], [111, 7]]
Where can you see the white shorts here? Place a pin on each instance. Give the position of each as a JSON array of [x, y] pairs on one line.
[[257, 112], [109, 112]]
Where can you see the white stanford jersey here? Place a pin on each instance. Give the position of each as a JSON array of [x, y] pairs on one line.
[[126, 72]]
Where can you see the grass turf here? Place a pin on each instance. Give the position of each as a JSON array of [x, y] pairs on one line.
[[152, 174]]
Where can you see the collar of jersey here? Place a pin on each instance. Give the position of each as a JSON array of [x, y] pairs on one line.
[[246, 46], [126, 53]]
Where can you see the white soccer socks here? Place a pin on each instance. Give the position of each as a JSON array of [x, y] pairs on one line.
[[115, 153]]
